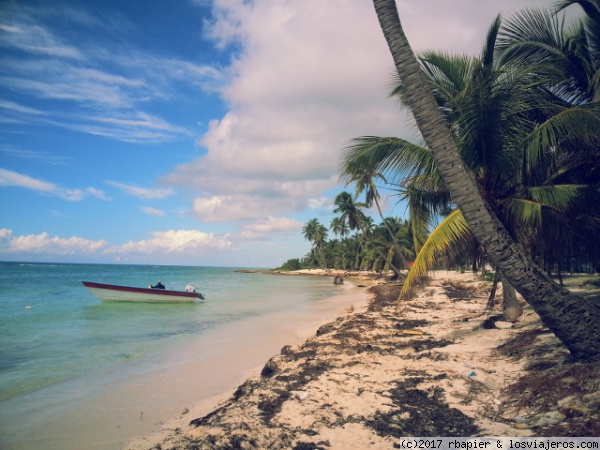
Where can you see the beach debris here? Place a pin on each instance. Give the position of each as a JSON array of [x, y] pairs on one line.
[[413, 332], [592, 400], [300, 395], [490, 322], [271, 368], [324, 329], [484, 378], [545, 419], [503, 325], [287, 350], [574, 411], [492, 383]]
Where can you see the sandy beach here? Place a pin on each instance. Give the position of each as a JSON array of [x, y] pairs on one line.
[[434, 365]]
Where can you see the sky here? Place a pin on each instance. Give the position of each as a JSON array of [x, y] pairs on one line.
[[196, 132]]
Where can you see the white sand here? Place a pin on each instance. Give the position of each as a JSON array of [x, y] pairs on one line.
[[375, 373]]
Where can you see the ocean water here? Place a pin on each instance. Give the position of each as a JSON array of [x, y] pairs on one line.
[[59, 343]]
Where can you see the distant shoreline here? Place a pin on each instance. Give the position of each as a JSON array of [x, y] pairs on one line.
[[358, 277]]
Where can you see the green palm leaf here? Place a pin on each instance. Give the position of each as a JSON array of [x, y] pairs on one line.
[[394, 158], [449, 238], [581, 123]]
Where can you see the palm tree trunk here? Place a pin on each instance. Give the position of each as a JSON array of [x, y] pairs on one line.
[[492, 297], [573, 319]]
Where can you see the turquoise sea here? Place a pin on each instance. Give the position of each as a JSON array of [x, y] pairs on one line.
[[55, 334]]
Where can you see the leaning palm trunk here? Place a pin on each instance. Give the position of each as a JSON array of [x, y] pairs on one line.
[[573, 319]]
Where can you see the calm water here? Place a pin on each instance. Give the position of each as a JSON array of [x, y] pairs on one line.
[[52, 331], [68, 332]]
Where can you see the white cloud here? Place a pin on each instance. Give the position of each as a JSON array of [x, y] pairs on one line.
[[184, 242], [299, 90], [98, 193], [227, 208], [176, 241], [269, 227], [32, 37], [152, 211], [144, 193], [308, 77], [142, 120], [251, 200], [10, 178], [43, 243], [316, 203], [457, 26], [36, 156], [19, 108], [133, 127]]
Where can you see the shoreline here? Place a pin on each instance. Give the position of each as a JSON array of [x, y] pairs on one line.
[[360, 278], [105, 410], [424, 367]]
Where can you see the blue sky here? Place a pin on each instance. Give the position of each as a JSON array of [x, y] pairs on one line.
[[195, 132]]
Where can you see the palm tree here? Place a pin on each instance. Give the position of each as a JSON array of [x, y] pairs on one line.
[[339, 227], [407, 166], [569, 61], [573, 319], [356, 219], [349, 211], [389, 239], [489, 108], [316, 234], [351, 253], [365, 180]]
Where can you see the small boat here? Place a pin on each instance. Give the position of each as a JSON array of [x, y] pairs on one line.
[[115, 293]]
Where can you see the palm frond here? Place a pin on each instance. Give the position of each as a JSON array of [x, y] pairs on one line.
[[524, 213], [450, 238], [392, 157], [559, 197], [545, 203], [448, 73], [581, 122], [531, 35], [487, 55]]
